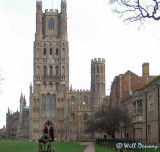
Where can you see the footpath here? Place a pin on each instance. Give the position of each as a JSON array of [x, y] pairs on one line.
[[90, 147]]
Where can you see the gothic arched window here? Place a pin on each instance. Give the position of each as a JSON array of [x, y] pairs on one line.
[[57, 87], [43, 104], [97, 69], [51, 25], [45, 70], [101, 69], [50, 69], [63, 70], [48, 104], [57, 52], [85, 100], [57, 70], [44, 51], [50, 51], [73, 100], [54, 105]]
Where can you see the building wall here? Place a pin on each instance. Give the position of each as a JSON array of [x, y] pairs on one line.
[[11, 124], [124, 85], [144, 117]]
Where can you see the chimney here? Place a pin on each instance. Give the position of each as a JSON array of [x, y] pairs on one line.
[[145, 69]]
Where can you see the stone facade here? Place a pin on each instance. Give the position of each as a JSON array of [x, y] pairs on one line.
[[54, 108]]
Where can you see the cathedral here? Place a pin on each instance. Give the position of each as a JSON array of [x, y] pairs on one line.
[[54, 107]]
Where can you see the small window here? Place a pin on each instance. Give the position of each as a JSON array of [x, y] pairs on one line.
[[50, 51], [44, 51], [149, 129], [57, 52]]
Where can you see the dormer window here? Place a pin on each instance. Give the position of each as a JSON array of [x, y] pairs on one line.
[[51, 25]]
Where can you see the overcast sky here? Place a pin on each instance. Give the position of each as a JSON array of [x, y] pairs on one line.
[[94, 32]]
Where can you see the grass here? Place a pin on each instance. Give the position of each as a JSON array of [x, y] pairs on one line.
[[30, 147], [103, 149]]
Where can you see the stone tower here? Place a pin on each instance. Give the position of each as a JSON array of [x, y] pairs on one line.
[[48, 100], [97, 82]]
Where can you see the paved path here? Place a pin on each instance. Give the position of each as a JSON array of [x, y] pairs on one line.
[[90, 147]]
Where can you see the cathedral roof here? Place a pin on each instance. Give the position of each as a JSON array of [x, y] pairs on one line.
[[26, 107]]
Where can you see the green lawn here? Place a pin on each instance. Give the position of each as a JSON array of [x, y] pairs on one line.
[[30, 147], [103, 149], [8, 139]]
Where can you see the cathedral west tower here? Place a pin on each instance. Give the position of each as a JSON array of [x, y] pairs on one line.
[[48, 101], [53, 108]]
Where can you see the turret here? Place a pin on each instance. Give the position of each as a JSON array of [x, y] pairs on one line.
[[8, 111], [39, 14], [22, 102], [98, 81], [64, 20], [30, 88], [63, 6]]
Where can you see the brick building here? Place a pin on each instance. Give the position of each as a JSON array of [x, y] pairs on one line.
[[125, 84]]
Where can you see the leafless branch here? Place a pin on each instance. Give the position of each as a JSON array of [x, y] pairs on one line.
[[137, 10]]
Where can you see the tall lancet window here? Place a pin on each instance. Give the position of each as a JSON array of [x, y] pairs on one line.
[[57, 70], [51, 25], [54, 105], [48, 104], [45, 70], [50, 70], [43, 105]]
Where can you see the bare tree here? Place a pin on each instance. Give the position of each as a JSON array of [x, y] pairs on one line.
[[107, 120], [137, 10]]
